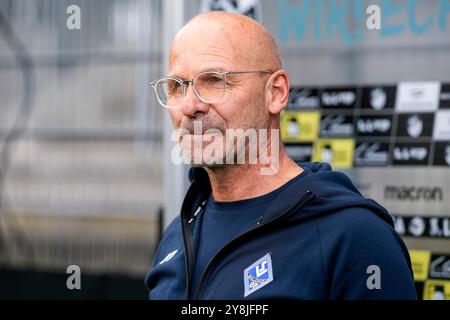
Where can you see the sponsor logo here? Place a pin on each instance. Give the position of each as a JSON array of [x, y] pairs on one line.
[[336, 126], [436, 290], [299, 126], [258, 275], [411, 154], [337, 152], [417, 97], [378, 98], [303, 98], [415, 125], [339, 98], [371, 154], [431, 227], [416, 227], [374, 125], [440, 267], [413, 193], [300, 152]]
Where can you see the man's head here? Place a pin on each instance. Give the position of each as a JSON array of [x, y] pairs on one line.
[[219, 41]]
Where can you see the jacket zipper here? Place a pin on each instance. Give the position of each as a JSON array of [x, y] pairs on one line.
[[303, 200], [188, 242]]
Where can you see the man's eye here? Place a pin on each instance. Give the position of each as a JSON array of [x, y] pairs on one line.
[[212, 81], [173, 87], [215, 79]]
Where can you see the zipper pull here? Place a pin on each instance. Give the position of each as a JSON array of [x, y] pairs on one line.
[[196, 213]]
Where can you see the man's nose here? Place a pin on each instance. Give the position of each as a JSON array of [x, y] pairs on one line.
[[191, 105]]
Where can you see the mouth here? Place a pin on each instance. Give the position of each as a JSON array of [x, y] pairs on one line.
[[203, 132], [204, 137]]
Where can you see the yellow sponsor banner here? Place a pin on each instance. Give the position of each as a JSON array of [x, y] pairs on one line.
[[420, 262], [300, 126], [337, 152], [436, 290]]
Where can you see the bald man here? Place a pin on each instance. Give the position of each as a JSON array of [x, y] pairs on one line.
[[255, 224]]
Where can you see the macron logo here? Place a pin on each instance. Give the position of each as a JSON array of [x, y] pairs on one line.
[[169, 256]]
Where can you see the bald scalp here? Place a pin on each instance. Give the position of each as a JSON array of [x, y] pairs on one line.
[[252, 45]]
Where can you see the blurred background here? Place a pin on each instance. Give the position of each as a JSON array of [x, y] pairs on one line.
[[84, 174], [80, 144]]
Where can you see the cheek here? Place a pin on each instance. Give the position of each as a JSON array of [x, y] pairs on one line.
[[176, 116], [229, 111], [248, 111]]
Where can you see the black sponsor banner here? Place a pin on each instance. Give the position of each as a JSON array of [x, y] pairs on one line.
[[444, 97], [418, 226], [415, 125], [411, 153], [373, 153], [300, 152], [336, 126], [412, 136], [303, 98], [339, 98], [442, 154], [373, 126], [378, 98]]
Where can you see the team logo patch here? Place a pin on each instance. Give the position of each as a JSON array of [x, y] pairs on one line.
[[258, 275]]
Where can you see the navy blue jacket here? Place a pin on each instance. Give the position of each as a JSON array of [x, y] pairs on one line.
[[324, 239]]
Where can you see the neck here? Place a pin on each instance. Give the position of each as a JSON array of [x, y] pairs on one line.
[[245, 181]]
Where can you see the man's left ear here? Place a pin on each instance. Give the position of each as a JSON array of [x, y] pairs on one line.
[[277, 89]]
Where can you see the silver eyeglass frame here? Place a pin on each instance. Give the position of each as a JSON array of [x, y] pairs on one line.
[[184, 84]]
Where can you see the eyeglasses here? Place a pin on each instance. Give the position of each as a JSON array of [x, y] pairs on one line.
[[209, 87]]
